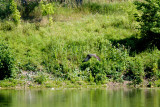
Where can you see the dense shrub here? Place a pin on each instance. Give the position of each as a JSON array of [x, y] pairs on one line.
[[6, 62], [27, 9], [65, 61], [7, 26], [54, 61], [149, 21], [95, 71], [100, 78], [8, 9], [112, 65], [135, 70], [4, 9], [151, 65], [15, 14], [40, 78]]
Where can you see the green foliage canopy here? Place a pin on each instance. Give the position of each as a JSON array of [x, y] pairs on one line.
[[6, 62], [47, 9], [15, 13], [149, 18]]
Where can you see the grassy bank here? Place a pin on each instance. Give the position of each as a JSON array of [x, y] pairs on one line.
[[52, 55]]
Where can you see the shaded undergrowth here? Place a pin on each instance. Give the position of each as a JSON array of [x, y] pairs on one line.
[[137, 45]]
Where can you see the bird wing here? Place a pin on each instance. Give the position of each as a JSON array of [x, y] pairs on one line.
[[87, 58], [94, 55]]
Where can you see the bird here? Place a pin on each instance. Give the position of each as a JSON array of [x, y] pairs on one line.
[[89, 56]]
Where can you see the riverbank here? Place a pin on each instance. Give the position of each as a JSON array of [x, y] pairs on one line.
[[39, 54], [50, 83]]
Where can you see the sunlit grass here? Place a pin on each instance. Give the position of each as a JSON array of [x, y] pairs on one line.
[[73, 31]]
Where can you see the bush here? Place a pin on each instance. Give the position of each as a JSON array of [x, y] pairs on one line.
[[58, 69], [157, 83], [15, 14], [4, 9], [8, 9], [27, 9], [6, 62], [95, 71], [7, 26], [151, 65], [112, 64], [100, 78], [135, 70], [90, 78], [40, 78], [149, 21]]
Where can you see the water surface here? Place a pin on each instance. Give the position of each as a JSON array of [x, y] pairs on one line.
[[81, 98]]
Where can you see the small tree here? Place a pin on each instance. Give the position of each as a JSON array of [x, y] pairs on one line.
[[47, 10], [15, 14], [149, 19]]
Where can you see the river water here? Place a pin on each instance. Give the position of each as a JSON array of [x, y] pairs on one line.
[[80, 98]]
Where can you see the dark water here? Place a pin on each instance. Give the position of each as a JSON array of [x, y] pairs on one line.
[[81, 98]]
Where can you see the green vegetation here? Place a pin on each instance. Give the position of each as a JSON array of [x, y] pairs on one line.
[[15, 14], [149, 21], [50, 52], [6, 62], [47, 10]]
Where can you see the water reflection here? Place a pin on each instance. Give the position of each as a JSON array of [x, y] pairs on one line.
[[5, 99], [81, 98]]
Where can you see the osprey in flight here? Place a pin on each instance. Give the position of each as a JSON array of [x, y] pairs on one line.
[[91, 55]]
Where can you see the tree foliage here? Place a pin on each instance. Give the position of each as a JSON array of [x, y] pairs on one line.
[[47, 10], [15, 13], [149, 20], [6, 62], [4, 9]]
